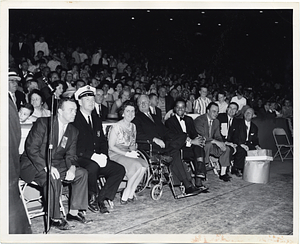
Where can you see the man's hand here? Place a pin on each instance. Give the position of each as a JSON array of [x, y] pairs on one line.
[[220, 144], [159, 142], [257, 147], [70, 173], [230, 144], [197, 141], [245, 147], [54, 172], [100, 159]]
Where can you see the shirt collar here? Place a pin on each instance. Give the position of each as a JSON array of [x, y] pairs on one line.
[[86, 116], [179, 118]]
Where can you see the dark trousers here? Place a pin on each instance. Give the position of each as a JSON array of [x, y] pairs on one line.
[[197, 154], [240, 155], [112, 172], [79, 197]]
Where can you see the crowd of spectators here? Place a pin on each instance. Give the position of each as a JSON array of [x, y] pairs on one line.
[[43, 74], [125, 75]]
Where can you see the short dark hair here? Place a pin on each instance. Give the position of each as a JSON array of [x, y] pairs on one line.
[[179, 100], [151, 95], [38, 92], [211, 104], [63, 100], [126, 104], [234, 103], [28, 106]]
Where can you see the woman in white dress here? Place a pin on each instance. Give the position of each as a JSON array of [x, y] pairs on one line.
[[122, 149]]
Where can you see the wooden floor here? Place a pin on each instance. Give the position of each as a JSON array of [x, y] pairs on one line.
[[229, 210]]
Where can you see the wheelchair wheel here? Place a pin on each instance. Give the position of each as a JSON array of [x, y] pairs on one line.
[[156, 192], [147, 176], [144, 182]]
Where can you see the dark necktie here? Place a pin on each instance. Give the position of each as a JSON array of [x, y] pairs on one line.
[[100, 115], [90, 122], [181, 118]]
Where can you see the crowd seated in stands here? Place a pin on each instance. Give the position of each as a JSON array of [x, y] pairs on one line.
[[105, 80]]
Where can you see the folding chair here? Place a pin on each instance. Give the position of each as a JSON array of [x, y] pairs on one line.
[[284, 147], [30, 194]]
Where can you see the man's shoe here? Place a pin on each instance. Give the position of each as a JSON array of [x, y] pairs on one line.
[[224, 178], [61, 224], [238, 173], [203, 189], [198, 182], [192, 190], [93, 204], [79, 218], [103, 208]]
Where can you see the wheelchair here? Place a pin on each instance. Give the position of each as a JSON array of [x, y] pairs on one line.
[[159, 174]]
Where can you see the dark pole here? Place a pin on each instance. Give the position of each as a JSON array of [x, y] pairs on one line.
[[49, 163]]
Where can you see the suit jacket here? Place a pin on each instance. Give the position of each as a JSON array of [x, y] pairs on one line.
[[104, 112], [173, 124], [223, 118], [147, 129], [18, 53], [202, 128], [34, 158], [90, 140], [157, 112], [240, 135], [20, 98]]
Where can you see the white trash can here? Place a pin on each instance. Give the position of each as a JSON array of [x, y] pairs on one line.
[[257, 169]]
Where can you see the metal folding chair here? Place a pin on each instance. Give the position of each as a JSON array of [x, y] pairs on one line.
[[30, 194], [284, 147]]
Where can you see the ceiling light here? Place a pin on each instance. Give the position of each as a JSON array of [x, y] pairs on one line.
[[261, 12], [132, 17]]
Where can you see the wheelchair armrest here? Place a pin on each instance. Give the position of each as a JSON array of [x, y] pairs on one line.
[[144, 142]]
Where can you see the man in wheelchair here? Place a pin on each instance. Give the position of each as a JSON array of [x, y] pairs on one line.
[[192, 150], [150, 128]]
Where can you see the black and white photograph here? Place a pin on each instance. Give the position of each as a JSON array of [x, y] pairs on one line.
[[149, 122]]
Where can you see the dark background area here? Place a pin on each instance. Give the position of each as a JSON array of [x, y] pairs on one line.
[[249, 44]]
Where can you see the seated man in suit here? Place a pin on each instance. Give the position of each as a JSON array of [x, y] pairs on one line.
[[179, 123], [246, 138], [228, 124], [34, 165], [100, 109], [15, 95], [208, 126], [92, 151], [149, 127]]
